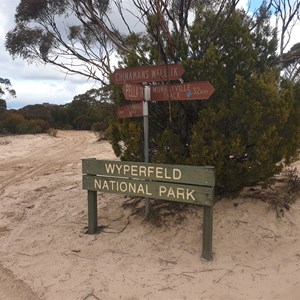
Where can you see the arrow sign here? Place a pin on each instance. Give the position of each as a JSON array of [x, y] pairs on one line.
[[133, 91], [130, 110], [148, 74], [197, 90]]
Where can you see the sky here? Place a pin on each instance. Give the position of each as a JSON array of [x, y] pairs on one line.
[[35, 84]]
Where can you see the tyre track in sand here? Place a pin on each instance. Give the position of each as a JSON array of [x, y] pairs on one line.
[[48, 157], [44, 159], [14, 289], [56, 157]]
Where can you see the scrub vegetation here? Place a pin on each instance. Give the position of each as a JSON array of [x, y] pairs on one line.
[[83, 113], [249, 129]]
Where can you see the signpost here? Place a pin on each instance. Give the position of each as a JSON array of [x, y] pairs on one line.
[[197, 90], [130, 110], [148, 74], [133, 89], [140, 181]]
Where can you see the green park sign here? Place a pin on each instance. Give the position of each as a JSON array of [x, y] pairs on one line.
[[180, 183], [166, 182]]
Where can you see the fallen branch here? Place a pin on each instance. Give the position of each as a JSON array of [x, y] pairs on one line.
[[90, 294], [107, 230]]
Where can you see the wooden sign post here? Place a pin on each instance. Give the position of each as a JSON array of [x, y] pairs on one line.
[[97, 177], [131, 78]]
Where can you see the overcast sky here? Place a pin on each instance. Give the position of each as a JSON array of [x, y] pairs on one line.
[[34, 83], [37, 83]]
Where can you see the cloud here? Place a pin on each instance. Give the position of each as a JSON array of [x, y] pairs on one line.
[[38, 83], [34, 83], [37, 91]]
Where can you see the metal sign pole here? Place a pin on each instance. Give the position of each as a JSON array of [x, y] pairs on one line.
[[147, 92]]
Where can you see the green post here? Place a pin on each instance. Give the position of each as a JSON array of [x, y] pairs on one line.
[[92, 212], [207, 232]]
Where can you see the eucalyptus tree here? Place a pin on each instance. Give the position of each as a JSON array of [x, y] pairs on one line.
[[290, 63], [60, 33], [82, 36], [6, 92], [287, 13], [248, 126]]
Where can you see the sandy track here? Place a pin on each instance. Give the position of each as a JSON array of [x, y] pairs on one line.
[[45, 253], [47, 155], [30, 168], [14, 289]]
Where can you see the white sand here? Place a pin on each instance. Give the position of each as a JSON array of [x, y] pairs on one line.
[[45, 253]]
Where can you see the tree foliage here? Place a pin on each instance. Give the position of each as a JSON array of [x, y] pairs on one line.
[[290, 63], [248, 127], [2, 105], [6, 89], [62, 33], [85, 112], [81, 36]]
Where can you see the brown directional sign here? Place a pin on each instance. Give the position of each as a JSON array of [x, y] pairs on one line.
[[197, 90], [133, 91], [148, 74], [130, 110]]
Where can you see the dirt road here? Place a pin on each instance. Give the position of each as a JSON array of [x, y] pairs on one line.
[[46, 254], [33, 169]]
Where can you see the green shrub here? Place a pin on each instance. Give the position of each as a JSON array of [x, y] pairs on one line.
[[98, 126], [28, 127], [52, 132], [16, 123], [246, 129], [82, 122], [12, 122], [43, 124]]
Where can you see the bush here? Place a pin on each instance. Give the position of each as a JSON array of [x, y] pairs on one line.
[[43, 124], [248, 127], [28, 127], [16, 123], [98, 126], [52, 132], [82, 122], [12, 122]]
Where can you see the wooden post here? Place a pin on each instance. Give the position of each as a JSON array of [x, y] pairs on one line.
[[92, 212], [207, 232]]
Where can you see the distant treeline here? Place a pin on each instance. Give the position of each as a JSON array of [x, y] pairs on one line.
[[80, 114]]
